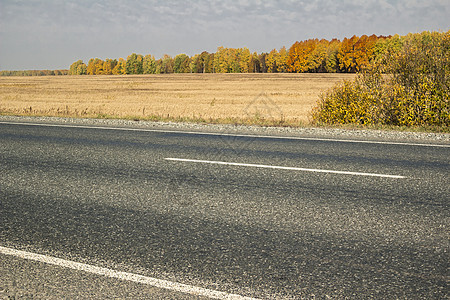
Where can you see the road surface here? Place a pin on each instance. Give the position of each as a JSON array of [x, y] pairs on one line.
[[261, 217]]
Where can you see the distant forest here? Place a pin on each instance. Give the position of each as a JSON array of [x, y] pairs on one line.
[[309, 56], [35, 73], [313, 56]]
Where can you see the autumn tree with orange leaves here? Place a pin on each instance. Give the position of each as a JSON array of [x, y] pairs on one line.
[[299, 54]]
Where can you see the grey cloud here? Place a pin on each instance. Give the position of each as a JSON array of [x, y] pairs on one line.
[[89, 28]]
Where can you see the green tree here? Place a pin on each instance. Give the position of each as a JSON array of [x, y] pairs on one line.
[[149, 64], [134, 64], [193, 64], [255, 65], [262, 62], [74, 67], [159, 66], [331, 63], [181, 64], [384, 45], [204, 63], [167, 64], [82, 69]]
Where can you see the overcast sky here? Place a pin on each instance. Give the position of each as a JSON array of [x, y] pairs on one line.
[[51, 34]]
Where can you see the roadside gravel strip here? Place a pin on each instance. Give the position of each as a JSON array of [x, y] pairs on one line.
[[355, 135]]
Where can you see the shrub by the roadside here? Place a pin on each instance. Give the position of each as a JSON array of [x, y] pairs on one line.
[[406, 86]]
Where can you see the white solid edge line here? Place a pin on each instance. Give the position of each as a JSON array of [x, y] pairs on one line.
[[228, 134], [159, 283], [283, 168]]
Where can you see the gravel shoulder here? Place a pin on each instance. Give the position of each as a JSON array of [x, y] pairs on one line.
[[329, 133]]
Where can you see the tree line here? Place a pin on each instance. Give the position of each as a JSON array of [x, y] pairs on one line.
[[313, 56], [349, 55], [35, 73]]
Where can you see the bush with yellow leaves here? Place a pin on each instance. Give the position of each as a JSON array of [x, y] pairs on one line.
[[405, 86]]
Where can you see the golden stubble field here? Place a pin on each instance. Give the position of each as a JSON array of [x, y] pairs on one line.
[[271, 99]]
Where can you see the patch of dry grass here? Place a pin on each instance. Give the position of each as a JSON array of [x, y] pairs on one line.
[[265, 99]]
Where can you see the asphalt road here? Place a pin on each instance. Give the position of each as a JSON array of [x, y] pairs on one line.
[[111, 198]]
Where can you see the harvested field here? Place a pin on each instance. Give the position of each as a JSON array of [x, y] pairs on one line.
[[265, 99]]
